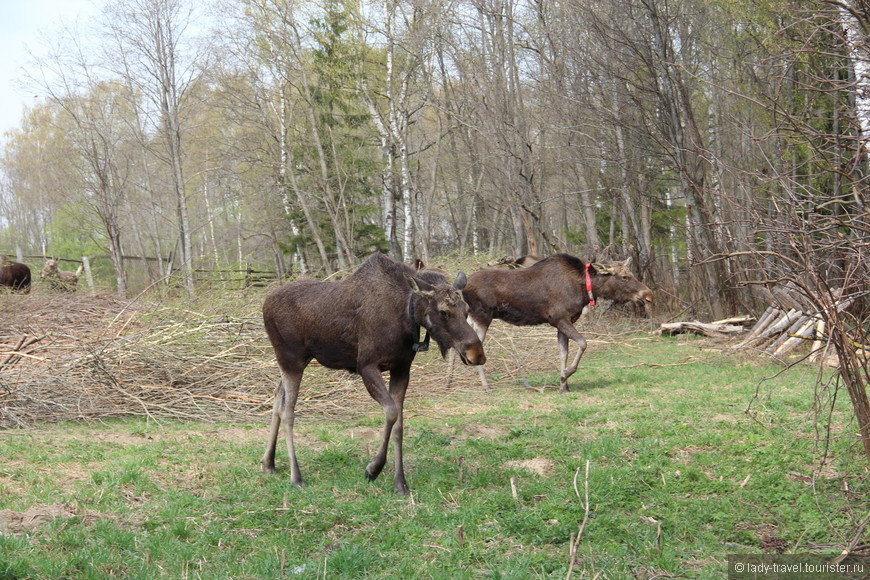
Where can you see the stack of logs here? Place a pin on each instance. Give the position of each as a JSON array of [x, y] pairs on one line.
[[780, 331], [793, 321], [790, 321], [719, 329]]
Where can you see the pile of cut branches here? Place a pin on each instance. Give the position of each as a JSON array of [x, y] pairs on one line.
[[86, 356], [91, 356]]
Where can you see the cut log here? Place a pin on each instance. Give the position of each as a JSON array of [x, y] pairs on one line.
[[769, 315], [782, 323], [744, 321], [789, 297], [803, 333], [784, 336], [711, 330], [817, 349]]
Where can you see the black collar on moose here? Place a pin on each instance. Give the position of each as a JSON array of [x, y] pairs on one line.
[[418, 346]]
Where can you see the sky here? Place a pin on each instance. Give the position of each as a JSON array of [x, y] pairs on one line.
[[21, 23]]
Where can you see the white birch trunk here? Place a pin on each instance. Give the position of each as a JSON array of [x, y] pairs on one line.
[[285, 177], [859, 54], [675, 255]]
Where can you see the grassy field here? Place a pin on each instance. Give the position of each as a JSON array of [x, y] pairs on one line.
[[680, 476]]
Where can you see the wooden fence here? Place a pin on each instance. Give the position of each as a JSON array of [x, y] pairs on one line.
[[242, 278]]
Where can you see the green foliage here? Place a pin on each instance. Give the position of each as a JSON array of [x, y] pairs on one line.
[[347, 192], [71, 234], [370, 238]]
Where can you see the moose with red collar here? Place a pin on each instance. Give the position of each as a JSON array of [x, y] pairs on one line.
[[554, 291]]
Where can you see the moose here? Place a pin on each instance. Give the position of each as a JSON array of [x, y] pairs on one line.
[[367, 323], [59, 280], [14, 275], [553, 290]]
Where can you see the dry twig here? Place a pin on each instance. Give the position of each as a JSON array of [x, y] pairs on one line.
[[584, 501]]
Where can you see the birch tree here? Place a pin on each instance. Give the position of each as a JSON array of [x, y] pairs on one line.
[[151, 43], [854, 16]]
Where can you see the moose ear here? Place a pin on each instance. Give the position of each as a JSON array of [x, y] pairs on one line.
[[415, 286], [602, 269], [460, 281]]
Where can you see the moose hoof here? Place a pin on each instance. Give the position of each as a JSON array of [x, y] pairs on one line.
[[270, 469], [373, 470]]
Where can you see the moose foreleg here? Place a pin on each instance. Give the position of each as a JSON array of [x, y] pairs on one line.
[[398, 386], [377, 389], [566, 331]]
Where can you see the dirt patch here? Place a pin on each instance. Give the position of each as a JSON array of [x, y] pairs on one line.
[[722, 418], [539, 465], [486, 432], [767, 536], [15, 523], [11, 487]]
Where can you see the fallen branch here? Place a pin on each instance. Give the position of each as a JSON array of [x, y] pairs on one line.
[[584, 501], [710, 330], [854, 543], [17, 351], [744, 321]]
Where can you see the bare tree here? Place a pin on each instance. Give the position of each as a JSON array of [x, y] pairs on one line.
[[267, 58], [95, 115], [150, 43], [810, 218]]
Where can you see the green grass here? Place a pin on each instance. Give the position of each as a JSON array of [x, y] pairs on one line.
[[680, 476]]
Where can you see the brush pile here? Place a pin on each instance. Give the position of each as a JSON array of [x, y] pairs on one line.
[[89, 356], [81, 356]]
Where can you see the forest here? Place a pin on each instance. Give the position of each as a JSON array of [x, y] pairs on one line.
[[722, 144]]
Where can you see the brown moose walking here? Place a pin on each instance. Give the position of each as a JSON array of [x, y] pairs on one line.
[[554, 291], [367, 324]]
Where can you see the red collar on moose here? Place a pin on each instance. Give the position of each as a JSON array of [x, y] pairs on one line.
[[589, 287]]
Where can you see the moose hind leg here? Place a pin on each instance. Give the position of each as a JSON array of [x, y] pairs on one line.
[[285, 410], [268, 461], [563, 360], [480, 329], [291, 381]]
